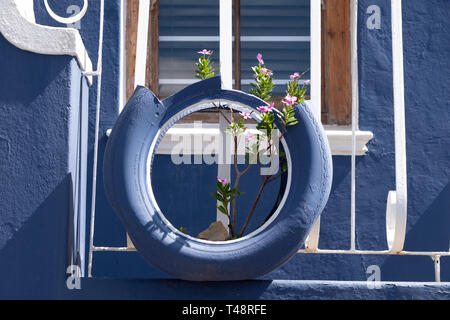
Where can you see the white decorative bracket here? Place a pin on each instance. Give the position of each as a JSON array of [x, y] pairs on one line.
[[396, 209], [27, 35], [77, 17]]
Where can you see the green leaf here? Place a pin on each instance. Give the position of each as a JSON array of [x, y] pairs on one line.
[[222, 209], [217, 196]]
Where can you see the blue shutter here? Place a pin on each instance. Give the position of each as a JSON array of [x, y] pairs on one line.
[[187, 26]]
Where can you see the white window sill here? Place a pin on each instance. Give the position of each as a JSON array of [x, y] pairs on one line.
[[339, 138]]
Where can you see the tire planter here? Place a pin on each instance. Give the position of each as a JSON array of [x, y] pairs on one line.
[[127, 168]]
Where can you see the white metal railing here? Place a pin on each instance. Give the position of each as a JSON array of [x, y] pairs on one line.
[[396, 213], [98, 73], [75, 18], [396, 210]]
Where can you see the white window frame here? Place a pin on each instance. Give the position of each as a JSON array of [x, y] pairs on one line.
[[339, 137]]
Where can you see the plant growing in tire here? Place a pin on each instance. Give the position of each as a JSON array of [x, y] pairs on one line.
[[130, 162], [262, 148]]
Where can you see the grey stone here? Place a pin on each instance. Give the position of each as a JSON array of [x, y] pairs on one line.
[[215, 232]]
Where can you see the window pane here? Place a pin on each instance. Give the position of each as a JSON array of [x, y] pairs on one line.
[[185, 27], [280, 31]]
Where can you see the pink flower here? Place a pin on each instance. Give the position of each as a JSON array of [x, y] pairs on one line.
[[262, 108], [260, 59], [307, 82], [222, 181], [265, 71], [265, 108], [204, 51], [289, 100], [249, 136], [294, 75], [245, 115]]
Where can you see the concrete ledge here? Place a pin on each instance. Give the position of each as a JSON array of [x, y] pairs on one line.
[[29, 36], [92, 288]]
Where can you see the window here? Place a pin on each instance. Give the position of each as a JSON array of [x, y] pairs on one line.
[[279, 29], [336, 69]]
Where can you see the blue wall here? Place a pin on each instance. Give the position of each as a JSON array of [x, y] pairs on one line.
[[40, 160], [43, 140]]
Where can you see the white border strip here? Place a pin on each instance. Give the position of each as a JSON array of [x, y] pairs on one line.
[[191, 81], [339, 138], [243, 38]]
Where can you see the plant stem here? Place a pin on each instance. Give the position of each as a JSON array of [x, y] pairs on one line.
[[221, 112], [265, 181], [236, 183], [261, 189]]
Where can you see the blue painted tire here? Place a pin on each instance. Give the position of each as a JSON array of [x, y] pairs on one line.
[[182, 256]]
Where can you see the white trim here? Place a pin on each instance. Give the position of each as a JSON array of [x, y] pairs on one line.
[[339, 138], [226, 72], [123, 64], [398, 209], [77, 17], [355, 106], [243, 81], [26, 9], [316, 58], [33, 37], [243, 38], [312, 241], [140, 70], [96, 134]]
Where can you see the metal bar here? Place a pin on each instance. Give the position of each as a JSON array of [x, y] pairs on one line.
[[437, 267], [243, 38], [355, 102], [374, 252], [226, 71], [97, 129], [399, 127], [237, 44], [312, 241], [326, 251], [114, 249]]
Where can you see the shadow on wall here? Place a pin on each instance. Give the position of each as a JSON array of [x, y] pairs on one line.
[[33, 261], [14, 86], [429, 233]]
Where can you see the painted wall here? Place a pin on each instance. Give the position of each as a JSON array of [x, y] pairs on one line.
[[34, 231], [43, 143]]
